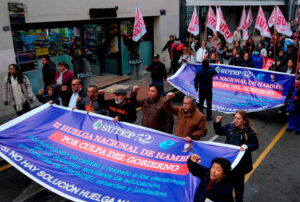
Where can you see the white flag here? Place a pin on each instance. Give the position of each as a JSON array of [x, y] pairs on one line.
[[262, 24], [243, 23], [139, 28], [282, 25], [194, 24], [220, 18], [211, 20]]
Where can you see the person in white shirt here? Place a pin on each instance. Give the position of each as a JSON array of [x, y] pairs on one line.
[[186, 57], [202, 53], [71, 97], [237, 34]]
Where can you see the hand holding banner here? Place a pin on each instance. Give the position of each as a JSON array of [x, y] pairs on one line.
[[90, 158]]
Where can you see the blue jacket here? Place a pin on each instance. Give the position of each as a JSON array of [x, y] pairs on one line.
[[258, 61]]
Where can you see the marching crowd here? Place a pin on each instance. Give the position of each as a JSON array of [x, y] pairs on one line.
[[217, 182]]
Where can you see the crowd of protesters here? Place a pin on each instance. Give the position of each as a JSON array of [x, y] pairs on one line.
[[62, 88]]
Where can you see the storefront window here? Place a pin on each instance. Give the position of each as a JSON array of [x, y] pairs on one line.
[[32, 44]]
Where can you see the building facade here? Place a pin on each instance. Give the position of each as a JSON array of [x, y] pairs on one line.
[[31, 29]]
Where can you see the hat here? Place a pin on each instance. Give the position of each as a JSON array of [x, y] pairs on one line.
[[120, 91], [209, 37], [156, 55]]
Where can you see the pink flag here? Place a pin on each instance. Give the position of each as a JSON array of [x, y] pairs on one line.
[[139, 28], [249, 21], [249, 18], [211, 20], [268, 63], [222, 26], [262, 24], [194, 24], [281, 24], [298, 14], [243, 23], [220, 18]]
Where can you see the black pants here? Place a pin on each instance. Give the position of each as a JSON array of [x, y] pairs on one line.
[[205, 94], [174, 66], [26, 108], [238, 185]]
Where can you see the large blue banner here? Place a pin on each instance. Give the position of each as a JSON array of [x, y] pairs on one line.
[[236, 88], [90, 158]]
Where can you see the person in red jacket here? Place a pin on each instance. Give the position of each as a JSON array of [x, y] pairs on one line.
[[63, 75], [176, 52]]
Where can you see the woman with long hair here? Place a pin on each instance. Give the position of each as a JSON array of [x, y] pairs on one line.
[[240, 132], [17, 90]]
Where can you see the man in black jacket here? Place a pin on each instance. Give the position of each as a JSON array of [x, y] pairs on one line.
[[49, 70], [203, 83], [168, 45], [70, 98], [120, 108], [158, 73]]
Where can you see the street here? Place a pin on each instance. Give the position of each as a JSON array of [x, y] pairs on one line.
[[274, 179]]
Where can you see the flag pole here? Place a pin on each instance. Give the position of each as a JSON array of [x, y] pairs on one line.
[[205, 28], [275, 31], [236, 38], [296, 73], [190, 36], [297, 42], [254, 31], [217, 37]]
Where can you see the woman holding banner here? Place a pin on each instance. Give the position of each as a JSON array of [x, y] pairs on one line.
[[240, 133], [215, 181]]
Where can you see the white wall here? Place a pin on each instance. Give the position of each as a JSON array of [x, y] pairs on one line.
[[7, 55], [72, 10]]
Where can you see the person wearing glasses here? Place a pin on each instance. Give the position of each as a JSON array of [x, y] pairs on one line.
[[72, 97]]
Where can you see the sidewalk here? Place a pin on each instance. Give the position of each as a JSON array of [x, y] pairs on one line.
[[143, 82]]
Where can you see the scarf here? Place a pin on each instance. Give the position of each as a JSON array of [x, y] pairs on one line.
[[18, 94], [59, 80]]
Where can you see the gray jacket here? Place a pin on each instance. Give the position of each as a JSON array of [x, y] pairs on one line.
[[8, 95]]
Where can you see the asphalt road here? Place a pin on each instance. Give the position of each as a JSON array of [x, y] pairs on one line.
[[275, 179]]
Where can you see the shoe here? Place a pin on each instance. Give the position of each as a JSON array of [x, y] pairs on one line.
[[289, 129], [279, 112], [287, 114], [297, 133]]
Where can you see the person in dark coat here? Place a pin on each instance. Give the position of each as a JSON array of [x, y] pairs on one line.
[[203, 83], [52, 95], [168, 45], [49, 70], [215, 182], [71, 97], [118, 108], [240, 133], [235, 59], [154, 112], [247, 61], [158, 73], [294, 118]]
